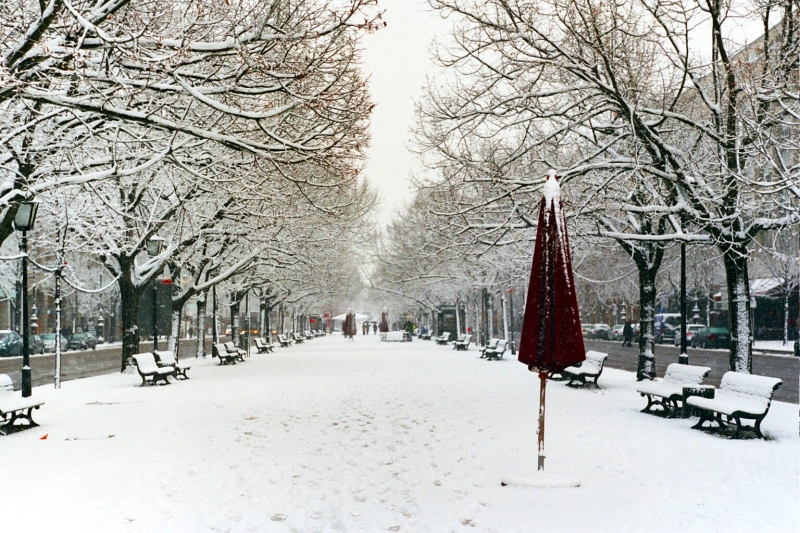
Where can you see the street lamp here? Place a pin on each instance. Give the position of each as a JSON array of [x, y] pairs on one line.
[[213, 273], [154, 246], [23, 221]]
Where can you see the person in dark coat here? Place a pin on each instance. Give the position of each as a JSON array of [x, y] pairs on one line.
[[627, 334]]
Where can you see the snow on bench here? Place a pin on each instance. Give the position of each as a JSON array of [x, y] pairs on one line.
[[490, 346], [13, 407], [463, 344], [740, 396], [232, 349], [592, 367], [225, 357], [284, 341], [148, 369], [497, 352], [166, 358], [394, 336], [297, 338], [444, 338], [669, 391], [262, 345]]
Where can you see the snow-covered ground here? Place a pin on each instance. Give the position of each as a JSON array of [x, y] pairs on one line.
[[777, 346], [366, 436]]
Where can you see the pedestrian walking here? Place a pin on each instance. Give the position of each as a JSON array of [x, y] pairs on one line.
[[374, 328], [627, 334]]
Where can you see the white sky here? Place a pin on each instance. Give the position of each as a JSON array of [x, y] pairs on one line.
[[396, 59]]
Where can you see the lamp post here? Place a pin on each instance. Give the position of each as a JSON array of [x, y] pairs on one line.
[[154, 247], [213, 273], [23, 221], [683, 358]]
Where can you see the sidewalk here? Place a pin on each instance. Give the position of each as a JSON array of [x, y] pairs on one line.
[[365, 436]]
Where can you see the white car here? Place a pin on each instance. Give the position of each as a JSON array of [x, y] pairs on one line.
[[690, 331], [616, 332]]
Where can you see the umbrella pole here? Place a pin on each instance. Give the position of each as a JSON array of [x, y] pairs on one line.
[[542, 388]]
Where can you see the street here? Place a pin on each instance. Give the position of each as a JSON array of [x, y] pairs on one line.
[[82, 364], [782, 367]]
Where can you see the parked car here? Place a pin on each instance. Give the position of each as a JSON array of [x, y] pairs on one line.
[[665, 326], [601, 331], [81, 341], [10, 343], [713, 337], [35, 344], [691, 329], [616, 332], [586, 329], [49, 341]]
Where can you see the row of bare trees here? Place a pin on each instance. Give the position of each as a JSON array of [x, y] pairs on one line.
[[664, 124], [232, 132]]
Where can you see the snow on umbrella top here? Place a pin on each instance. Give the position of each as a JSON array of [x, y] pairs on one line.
[[551, 330]]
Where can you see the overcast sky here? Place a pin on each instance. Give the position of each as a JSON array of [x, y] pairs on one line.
[[396, 59]]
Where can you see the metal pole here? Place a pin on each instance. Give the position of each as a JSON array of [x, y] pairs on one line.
[[214, 332], [505, 316], [247, 310], [540, 433], [683, 358], [155, 316], [511, 309], [57, 381], [26, 361]]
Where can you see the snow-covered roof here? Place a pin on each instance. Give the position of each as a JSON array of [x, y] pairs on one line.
[[762, 286], [359, 316]]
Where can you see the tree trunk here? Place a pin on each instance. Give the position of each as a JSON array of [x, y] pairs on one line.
[[646, 368], [129, 299], [234, 307], [268, 322], [741, 351], [175, 324], [201, 326]]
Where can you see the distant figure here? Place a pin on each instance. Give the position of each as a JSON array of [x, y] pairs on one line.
[[627, 334], [374, 328]]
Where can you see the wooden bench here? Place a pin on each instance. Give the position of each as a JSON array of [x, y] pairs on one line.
[[239, 353], [13, 407], [497, 352], [166, 358], [297, 338], [262, 345], [149, 370], [739, 397], [490, 346], [444, 338], [426, 336], [591, 368], [225, 357], [284, 341], [667, 392], [308, 335], [462, 344]]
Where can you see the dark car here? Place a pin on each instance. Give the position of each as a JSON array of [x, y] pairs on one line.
[[81, 341], [10, 343], [35, 344], [713, 337]]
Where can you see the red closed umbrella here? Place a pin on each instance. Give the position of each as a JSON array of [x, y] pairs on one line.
[[551, 330]]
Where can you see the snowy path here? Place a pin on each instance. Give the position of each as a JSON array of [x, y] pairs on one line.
[[367, 436]]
